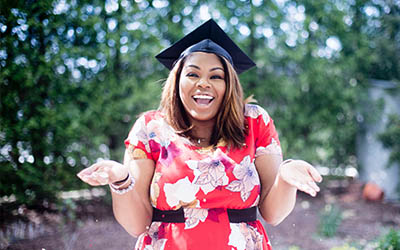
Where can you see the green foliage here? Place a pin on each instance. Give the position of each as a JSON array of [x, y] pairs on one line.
[[344, 247], [68, 208], [68, 94], [391, 138], [75, 74], [390, 241], [36, 119], [329, 220]]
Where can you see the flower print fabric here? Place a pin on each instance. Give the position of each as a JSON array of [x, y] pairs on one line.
[[247, 178], [204, 182]]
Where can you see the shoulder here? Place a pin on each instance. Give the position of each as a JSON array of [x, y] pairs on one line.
[[254, 111]]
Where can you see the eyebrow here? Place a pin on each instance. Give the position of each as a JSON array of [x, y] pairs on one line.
[[193, 66], [197, 67], [217, 68]]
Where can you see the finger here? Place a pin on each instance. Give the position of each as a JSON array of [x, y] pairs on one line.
[[85, 172], [89, 170], [95, 183], [294, 183], [101, 177], [310, 188], [91, 181], [106, 163], [103, 181], [300, 186], [87, 179], [307, 189], [314, 186], [311, 192], [112, 169], [314, 174]]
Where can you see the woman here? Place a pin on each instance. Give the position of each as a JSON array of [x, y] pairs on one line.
[[196, 169]]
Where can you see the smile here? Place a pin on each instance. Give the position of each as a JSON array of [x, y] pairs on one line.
[[203, 99]]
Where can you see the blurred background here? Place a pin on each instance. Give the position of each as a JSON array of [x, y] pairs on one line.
[[74, 75]]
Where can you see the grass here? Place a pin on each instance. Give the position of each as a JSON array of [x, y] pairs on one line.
[[329, 220]]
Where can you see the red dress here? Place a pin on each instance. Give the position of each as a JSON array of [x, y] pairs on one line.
[[205, 182]]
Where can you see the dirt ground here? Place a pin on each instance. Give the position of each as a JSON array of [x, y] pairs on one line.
[[363, 222]]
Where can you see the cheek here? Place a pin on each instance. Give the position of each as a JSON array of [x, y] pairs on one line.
[[184, 89], [220, 89]]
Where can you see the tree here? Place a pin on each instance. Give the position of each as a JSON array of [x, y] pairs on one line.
[[37, 128], [74, 75]]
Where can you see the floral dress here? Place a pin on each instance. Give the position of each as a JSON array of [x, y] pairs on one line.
[[204, 182]]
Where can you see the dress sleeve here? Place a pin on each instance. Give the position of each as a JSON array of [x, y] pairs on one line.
[[137, 142], [267, 139]]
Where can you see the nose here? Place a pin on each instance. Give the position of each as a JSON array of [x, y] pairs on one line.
[[203, 83]]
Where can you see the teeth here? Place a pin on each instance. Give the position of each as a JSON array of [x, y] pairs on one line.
[[203, 97]]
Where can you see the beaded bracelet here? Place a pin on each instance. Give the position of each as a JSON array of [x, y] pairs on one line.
[[122, 182], [115, 188]]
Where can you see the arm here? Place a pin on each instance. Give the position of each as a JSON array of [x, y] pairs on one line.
[[279, 184], [133, 209]]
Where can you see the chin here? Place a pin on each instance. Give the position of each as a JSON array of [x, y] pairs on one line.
[[203, 117]]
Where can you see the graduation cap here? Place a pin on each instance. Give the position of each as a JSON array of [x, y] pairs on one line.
[[209, 38]]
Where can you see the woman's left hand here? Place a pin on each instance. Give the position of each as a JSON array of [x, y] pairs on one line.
[[301, 175]]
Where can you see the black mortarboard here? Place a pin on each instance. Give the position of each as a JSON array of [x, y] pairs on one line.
[[210, 38]]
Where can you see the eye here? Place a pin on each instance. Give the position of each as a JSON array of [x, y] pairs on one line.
[[217, 77], [192, 75]]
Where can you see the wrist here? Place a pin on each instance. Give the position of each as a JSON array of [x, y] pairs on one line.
[[125, 187], [122, 184], [281, 182], [285, 162], [282, 167], [118, 183]]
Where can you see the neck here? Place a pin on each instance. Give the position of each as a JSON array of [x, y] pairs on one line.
[[202, 132]]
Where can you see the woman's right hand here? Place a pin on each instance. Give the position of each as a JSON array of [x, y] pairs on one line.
[[103, 173]]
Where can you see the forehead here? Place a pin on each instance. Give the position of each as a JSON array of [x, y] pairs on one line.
[[203, 59]]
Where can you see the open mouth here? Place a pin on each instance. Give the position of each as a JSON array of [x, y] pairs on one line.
[[203, 99]]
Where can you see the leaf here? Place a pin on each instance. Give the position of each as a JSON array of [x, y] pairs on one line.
[[203, 179], [191, 222], [245, 195], [235, 186]]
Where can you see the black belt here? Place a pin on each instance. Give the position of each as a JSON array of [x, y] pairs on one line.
[[178, 216]]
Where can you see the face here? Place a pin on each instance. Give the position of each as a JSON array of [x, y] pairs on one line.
[[202, 86]]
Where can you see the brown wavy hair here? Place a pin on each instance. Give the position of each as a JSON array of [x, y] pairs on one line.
[[230, 123]]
